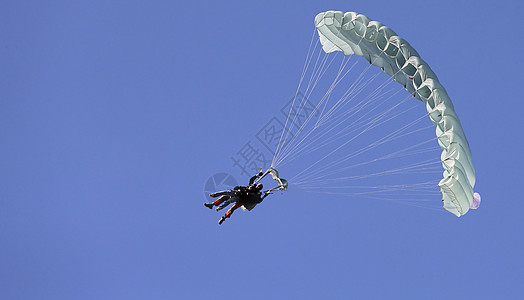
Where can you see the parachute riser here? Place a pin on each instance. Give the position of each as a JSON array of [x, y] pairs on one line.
[[282, 183]]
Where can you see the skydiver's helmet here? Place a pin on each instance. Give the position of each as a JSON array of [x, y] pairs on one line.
[[259, 187], [251, 188]]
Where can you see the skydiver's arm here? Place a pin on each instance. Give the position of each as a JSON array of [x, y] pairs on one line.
[[252, 180], [266, 193]]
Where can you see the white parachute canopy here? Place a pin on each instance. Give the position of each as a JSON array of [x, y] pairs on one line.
[[353, 33]]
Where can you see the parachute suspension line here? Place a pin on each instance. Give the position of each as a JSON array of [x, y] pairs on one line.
[[420, 202], [316, 142], [429, 164], [335, 83], [351, 89], [315, 71], [353, 135], [396, 154], [274, 163], [371, 123], [302, 106], [326, 96], [409, 189], [350, 92], [420, 192], [338, 135], [374, 95], [371, 95], [366, 102], [390, 137], [328, 93], [324, 172], [304, 71], [347, 115], [418, 167], [324, 100], [375, 189], [318, 73], [283, 142]]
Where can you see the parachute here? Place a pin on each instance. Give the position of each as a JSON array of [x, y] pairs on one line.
[[353, 33]]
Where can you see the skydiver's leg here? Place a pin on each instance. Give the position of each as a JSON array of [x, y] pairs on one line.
[[229, 212], [218, 201], [224, 204], [233, 199], [221, 193], [221, 200], [232, 209]]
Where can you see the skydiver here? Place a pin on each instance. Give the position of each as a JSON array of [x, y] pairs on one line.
[[253, 197], [229, 196], [247, 196]]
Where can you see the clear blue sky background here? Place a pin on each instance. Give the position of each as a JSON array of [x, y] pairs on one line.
[[115, 113]]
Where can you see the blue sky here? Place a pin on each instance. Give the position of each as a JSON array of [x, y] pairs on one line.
[[115, 113]]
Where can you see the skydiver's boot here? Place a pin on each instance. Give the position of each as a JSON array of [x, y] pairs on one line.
[[221, 206], [209, 205], [229, 212]]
